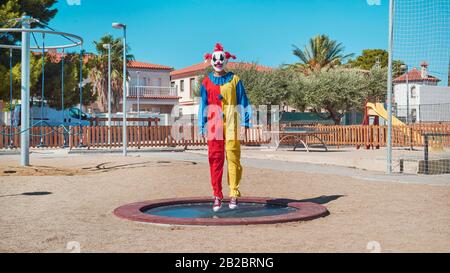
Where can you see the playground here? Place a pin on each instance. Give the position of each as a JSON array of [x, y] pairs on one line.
[[103, 153], [74, 202]]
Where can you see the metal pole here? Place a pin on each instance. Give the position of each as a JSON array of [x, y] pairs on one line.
[[81, 145], [41, 142], [11, 112], [426, 154], [408, 119], [138, 97], [389, 84], [25, 95], [109, 94], [139, 110], [124, 98], [62, 101], [407, 99]]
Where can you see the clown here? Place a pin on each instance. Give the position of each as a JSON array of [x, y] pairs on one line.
[[222, 99]]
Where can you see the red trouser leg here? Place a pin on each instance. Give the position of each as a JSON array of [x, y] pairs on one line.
[[216, 155]]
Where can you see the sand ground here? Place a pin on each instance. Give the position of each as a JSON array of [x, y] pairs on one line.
[[70, 198]]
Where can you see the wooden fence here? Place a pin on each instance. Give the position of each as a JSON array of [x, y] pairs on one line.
[[166, 136], [373, 135], [101, 137]]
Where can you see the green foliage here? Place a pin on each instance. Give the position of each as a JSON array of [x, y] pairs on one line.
[[334, 91], [99, 71], [11, 9], [200, 79], [52, 83], [376, 84], [320, 53], [38, 9], [296, 89], [370, 58], [262, 87], [35, 72], [376, 57]]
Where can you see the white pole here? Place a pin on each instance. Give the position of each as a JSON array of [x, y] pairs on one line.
[[124, 99], [389, 84], [138, 97], [407, 99], [109, 94], [25, 95]]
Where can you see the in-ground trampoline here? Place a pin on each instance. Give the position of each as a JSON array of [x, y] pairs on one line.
[[198, 211]]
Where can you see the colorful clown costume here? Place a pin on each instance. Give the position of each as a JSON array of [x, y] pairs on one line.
[[222, 99]]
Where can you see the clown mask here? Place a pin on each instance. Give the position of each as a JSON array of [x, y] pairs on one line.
[[219, 59]]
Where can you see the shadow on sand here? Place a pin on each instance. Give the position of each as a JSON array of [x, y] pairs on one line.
[[36, 193], [321, 200]]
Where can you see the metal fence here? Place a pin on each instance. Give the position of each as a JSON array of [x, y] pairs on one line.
[[423, 113]]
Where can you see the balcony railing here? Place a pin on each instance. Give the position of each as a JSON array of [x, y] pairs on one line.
[[151, 91]]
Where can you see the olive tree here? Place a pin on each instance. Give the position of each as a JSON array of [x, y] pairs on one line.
[[329, 93]]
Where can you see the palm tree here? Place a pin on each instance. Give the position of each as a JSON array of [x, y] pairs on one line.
[[99, 71], [321, 53]]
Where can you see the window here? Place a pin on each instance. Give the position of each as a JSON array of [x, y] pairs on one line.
[[413, 115], [182, 86], [192, 87], [142, 81], [413, 92], [172, 84]]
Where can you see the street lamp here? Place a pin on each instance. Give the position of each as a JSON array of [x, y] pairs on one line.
[[108, 47], [405, 67], [124, 95]]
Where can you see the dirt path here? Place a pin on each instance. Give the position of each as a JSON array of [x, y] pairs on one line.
[[42, 213]]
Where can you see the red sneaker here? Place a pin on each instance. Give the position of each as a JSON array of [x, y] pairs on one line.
[[217, 204]]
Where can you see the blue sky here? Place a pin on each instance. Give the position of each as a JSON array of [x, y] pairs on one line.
[[178, 33]]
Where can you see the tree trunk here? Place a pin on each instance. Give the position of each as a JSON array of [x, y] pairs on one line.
[[334, 115]]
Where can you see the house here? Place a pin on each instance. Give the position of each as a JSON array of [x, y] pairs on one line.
[[186, 80], [149, 93], [419, 92], [149, 88]]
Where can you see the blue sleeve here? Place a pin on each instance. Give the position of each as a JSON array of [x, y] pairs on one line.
[[202, 110], [245, 107]]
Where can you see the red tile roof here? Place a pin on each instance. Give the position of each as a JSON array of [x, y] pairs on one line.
[[141, 65], [415, 76], [55, 57], [197, 69]]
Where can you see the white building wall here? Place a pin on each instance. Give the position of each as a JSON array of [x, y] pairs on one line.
[[149, 77], [427, 103], [154, 78], [188, 103]]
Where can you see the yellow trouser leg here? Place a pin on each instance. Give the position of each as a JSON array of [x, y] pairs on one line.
[[233, 151]]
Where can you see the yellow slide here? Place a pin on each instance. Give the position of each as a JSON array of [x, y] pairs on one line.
[[377, 109]]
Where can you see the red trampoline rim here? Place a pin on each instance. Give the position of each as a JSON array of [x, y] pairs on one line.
[[305, 211]]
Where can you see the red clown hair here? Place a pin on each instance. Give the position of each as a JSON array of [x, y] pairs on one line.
[[219, 47]]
